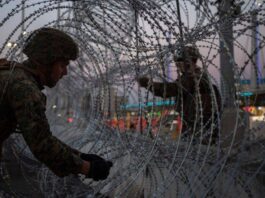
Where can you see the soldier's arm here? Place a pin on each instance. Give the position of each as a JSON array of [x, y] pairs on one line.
[[29, 107], [166, 89]]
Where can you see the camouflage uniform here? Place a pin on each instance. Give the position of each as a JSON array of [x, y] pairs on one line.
[[184, 89], [22, 104]]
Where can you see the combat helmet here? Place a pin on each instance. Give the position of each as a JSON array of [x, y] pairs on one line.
[[187, 53], [47, 45]]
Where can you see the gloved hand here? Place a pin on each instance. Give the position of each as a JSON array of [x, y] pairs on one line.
[[143, 81], [99, 170], [91, 157], [99, 167]]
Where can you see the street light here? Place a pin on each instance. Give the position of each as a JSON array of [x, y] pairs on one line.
[[258, 2], [11, 44]]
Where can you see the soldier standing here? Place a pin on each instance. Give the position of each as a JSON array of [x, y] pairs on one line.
[[197, 99]]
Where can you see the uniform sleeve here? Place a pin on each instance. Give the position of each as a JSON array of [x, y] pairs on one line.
[[29, 105], [164, 89]]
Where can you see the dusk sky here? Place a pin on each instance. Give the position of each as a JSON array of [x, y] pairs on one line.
[[240, 57]]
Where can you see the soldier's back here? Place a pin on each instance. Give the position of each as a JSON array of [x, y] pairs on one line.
[[10, 76]]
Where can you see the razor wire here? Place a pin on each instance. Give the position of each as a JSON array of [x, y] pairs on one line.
[[120, 41]]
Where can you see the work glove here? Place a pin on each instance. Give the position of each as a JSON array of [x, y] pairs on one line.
[[143, 81], [99, 167], [99, 170], [91, 157]]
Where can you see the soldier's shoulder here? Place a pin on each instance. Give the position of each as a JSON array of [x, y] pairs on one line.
[[11, 70], [21, 88], [19, 82]]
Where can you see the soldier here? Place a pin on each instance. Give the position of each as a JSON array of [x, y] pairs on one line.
[[22, 104], [197, 98]]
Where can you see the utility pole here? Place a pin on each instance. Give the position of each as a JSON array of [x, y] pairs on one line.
[[227, 52], [58, 14], [22, 27], [232, 132], [256, 67]]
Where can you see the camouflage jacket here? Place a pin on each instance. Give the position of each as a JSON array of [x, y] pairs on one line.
[[22, 106], [197, 100]]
